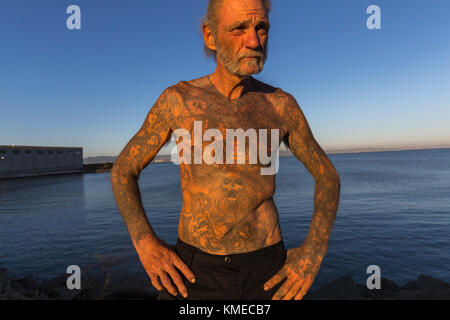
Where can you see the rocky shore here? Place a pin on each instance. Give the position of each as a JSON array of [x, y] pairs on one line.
[[27, 288]]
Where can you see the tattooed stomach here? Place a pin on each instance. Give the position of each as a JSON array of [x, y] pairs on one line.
[[228, 212]]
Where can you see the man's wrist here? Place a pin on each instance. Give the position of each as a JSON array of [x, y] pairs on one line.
[[146, 241], [316, 248]]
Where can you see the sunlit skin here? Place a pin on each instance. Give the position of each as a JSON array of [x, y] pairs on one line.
[[228, 208]]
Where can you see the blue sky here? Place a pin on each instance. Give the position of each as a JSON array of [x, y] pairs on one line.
[[93, 87]]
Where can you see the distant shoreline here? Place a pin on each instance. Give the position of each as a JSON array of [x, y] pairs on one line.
[[369, 150], [103, 163]]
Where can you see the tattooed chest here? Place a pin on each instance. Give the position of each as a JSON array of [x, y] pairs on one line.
[[250, 113], [244, 133]]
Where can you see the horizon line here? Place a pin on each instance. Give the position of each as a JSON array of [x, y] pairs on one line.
[[340, 151]]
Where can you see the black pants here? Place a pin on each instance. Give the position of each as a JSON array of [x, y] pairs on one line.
[[229, 277]]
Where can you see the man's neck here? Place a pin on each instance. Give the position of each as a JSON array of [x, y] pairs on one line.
[[230, 85]]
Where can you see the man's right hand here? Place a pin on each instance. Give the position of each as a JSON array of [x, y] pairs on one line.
[[161, 263]]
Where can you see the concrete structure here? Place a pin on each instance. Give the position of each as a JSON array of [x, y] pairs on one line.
[[28, 161]]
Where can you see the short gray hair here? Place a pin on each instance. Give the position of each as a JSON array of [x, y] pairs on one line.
[[212, 20]]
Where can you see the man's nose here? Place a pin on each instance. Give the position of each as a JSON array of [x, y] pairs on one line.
[[252, 40]]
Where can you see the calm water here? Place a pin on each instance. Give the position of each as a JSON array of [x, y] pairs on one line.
[[394, 212]]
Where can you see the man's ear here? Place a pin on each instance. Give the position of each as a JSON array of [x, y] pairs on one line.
[[208, 38]]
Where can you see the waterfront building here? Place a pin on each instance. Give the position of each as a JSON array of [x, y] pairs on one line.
[[28, 161]]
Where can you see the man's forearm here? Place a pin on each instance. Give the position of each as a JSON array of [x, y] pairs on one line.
[[128, 197], [326, 201]]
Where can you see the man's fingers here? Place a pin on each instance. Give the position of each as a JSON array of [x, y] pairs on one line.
[[302, 292], [155, 282], [293, 291], [176, 278], [280, 275], [281, 292], [167, 283], [187, 272]]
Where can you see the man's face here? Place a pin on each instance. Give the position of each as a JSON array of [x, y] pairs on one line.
[[242, 36]]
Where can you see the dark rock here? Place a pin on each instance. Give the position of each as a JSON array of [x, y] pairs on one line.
[[406, 295], [28, 283], [56, 288], [427, 282], [4, 279], [27, 286], [412, 285], [131, 293], [425, 288], [107, 288], [341, 289], [57, 282], [433, 294], [388, 290], [6, 291], [424, 294]]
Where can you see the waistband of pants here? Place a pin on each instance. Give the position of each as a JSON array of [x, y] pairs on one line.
[[277, 248]]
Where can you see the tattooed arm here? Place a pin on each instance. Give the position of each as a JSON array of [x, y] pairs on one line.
[[156, 256], [303, 263]]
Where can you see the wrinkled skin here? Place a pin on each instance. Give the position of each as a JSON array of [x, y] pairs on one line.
[[228, 208]]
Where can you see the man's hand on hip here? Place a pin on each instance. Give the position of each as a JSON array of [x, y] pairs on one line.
[[300, 269], [161, 263]]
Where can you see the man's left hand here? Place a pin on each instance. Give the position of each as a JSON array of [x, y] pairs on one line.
[[300, 269]]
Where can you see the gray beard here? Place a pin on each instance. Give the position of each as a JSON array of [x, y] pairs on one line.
[[232, 64]]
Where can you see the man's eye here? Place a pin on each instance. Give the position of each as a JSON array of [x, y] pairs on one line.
[[238, 31], [263, 32]]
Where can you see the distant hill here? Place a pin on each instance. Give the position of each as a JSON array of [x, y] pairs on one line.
[[91, 160], [384, 149]]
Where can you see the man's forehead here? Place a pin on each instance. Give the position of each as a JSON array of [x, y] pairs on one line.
[[234, 11]]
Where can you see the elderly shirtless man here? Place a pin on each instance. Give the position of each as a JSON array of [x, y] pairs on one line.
[[229, 243]]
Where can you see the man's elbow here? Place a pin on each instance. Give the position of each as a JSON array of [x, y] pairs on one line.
[[119, 172], [331, 178], [335, 179]]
